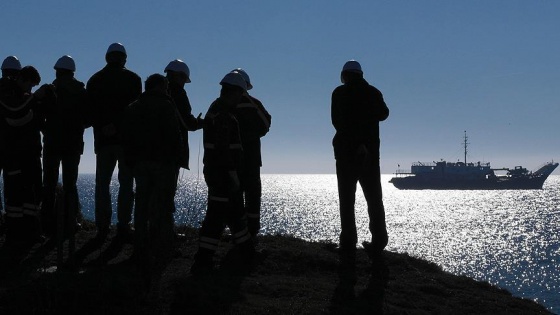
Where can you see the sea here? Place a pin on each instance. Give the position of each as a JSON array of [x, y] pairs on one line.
[[509, 238]]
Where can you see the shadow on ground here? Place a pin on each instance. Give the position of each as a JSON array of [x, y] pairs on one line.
[[290, 276]]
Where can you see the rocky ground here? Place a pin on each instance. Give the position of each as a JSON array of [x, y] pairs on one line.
[[289, 276]]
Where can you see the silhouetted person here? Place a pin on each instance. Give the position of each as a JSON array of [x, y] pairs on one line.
[[151, 139], [22, 117], [356, 110], [222, 161], [178, 74], [110, 91], [11, 67], [10, 70], [63, 142], [254, 123]]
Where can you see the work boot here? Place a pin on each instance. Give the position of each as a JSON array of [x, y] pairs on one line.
[[374, 250], [380, 240]]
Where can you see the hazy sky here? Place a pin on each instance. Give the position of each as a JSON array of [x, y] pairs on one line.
[[491, 68]]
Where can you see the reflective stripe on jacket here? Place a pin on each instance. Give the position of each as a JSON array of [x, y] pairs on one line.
[[222, 142]]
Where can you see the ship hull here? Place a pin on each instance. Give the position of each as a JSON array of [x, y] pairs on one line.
[[418, 183]]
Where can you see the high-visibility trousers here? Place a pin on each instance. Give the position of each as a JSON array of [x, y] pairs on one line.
[[23, 193], [225, 208]]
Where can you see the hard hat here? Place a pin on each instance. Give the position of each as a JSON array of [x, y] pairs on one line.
[[245, 77], [65, 62], [235, 79], [352, 66], [11, 62], [116, 47], [179, 65]]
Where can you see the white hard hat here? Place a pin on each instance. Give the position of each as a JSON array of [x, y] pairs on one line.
[[116, 47], [11, 62], [65, 62], [236, 79], [352, 66], [179, 65], [245, 77]]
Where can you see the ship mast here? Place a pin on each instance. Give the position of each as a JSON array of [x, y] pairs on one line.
[[465, 144]]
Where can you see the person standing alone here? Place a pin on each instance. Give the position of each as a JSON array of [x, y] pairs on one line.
[[356, 110], [110, 91]]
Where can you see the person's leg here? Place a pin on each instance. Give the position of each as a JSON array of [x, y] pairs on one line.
[[125, 202], [33, 193], [70, 169], [235, 218], [213, 224], [106, 160], [237, 222], [162, 232], [145, 193], [252, 189], [370, 180], [210, 234], [51, 168], [347, 178], [13, 187], [176, 184]]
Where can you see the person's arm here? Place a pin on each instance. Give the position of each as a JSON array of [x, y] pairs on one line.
[[337, 110], [381, 110]]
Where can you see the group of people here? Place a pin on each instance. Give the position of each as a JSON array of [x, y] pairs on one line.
[[146, 135]]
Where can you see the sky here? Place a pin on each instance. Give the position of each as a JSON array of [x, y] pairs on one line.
[[491, 68]]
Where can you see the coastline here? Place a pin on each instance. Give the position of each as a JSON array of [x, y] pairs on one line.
[[289, 276]]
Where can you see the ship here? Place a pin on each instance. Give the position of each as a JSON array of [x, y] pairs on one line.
[[470, 176]]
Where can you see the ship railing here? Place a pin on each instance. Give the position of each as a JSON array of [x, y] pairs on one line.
[[424, 164], [403, 172]]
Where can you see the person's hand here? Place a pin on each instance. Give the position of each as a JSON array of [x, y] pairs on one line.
[[199, 121]]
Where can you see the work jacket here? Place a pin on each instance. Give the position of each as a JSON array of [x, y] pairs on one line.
[[110, 91], [150, 130], [64, 129], [254, 123], [22, 117], [356, 110], [222, 143], [187, 123]]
